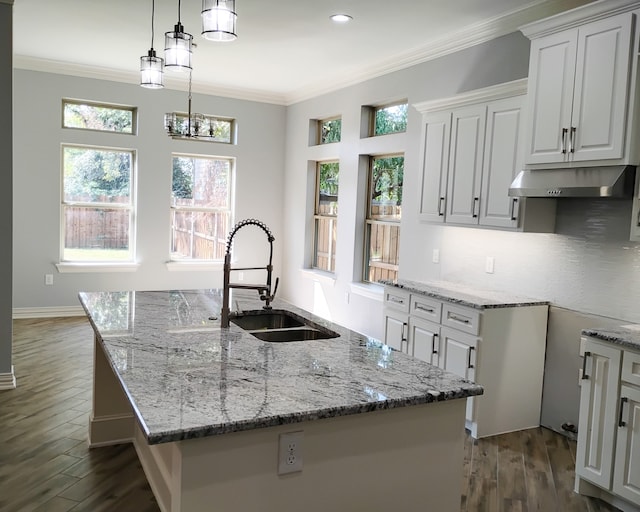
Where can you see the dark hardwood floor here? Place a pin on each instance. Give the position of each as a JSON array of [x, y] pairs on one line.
[[45, 464]]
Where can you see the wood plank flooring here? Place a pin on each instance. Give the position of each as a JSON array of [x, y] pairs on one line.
[[45, 464]]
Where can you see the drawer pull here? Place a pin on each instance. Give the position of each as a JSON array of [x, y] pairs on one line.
[[440, 209], [403, 335], [623, 400], [433, 344], [424, 308], [459, 319], [584, 366], [469, 365], [564, 140], [395, 299]]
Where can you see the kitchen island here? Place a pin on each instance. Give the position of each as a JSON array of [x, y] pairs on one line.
[[205, 406]]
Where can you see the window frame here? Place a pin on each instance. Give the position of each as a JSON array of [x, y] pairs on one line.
[[376, 108], [332, 218], [99, 104], [319, 125], [131, 206], [190, 261], [369, 222]]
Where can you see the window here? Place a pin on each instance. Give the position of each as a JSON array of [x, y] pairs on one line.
[[390, 119], [200, 207], [329, 130], [326, 216], [97, 204], [96, 116], [384, 211]]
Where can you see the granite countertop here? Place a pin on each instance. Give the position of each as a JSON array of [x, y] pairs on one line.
[[626, 335], [464, 295], [188, 378]]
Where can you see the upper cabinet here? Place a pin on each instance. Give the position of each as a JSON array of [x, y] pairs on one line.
[[582, 83], [471, 152]]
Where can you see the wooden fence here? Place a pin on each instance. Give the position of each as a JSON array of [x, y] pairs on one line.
[[90, 228], [199, 235]]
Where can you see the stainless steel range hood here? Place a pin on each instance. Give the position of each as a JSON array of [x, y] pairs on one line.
[[610, 181]]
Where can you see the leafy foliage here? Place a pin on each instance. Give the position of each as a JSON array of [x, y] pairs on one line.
[[92, 174], [387, 176], [93, 117], [183, 177], [330, 130], [328, 187], [390, 119]]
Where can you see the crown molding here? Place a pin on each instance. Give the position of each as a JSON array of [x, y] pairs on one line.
[[464, 38]]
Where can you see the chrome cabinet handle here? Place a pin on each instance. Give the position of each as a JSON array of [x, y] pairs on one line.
[[623, 400], [469, 365], [476, 201], [440, 210], [514, 202], [572, 140], [564, 140], [403, 336], [458, 319], [396, 300], [584, 366], [424, 308], [433, 344]]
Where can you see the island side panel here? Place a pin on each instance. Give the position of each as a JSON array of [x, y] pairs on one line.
[[410, 457], [112, 420]]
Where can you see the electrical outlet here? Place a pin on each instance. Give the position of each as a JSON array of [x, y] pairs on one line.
[[290, 452], [435, 257], [346, 297], [240, 276], [490, 264], [48, 279]]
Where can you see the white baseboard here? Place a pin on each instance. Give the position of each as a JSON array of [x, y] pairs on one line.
[[8, 380], [48, 312]]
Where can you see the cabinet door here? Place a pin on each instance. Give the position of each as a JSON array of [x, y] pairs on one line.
[[465, 164], [435, 163], [458, 355], [626, 476], [551, 75], [424, 340], [501, 163], [601, 89], [395, 330], [598, 406]]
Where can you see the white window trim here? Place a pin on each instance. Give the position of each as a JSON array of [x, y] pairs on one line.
[[373, 291], [194, 266], [84, 267]]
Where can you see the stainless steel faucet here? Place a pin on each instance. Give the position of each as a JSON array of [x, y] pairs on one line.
[[264, 290]]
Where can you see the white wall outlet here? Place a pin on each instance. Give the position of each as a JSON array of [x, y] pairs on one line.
[[48, 279], [240, 276], [290, 452], [435, 256], [346, 297], [490, 264]]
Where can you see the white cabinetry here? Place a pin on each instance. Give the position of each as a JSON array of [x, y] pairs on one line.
[[581, 86], [608, 452], [470, 155], [500, 348]]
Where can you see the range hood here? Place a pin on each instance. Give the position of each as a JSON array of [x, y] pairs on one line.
[[610, 181]]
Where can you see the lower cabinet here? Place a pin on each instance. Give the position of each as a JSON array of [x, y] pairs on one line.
[[500, 348], [608, 451]]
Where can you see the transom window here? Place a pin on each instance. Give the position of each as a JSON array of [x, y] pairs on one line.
[[389, 119], [98, 116], [384, 211], [97, 204], [200, 207], [326, 216], [329, 130]]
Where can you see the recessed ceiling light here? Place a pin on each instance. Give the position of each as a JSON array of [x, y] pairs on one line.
[[341, 18]]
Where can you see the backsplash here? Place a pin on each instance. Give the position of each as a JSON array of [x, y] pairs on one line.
[[588, 265]]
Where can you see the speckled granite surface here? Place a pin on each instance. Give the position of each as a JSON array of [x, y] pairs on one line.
[[188, 378], [626, 335], [465, 295]]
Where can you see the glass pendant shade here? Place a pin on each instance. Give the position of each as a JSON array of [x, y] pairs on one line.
[[177, 49], [151, 70], [219, 20]]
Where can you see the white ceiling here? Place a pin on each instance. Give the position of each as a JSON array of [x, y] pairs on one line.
[[286, 51]]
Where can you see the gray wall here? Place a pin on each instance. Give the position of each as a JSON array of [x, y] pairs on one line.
[[37, 180], [6, 40], [588, 265]]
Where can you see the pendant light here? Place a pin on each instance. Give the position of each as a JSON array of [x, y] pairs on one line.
[[151, 66], [219, 20], [177, 48]]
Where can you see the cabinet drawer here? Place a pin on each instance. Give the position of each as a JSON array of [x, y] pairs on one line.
[[631, 367], [426, 307], [461, 318], [397, 299]]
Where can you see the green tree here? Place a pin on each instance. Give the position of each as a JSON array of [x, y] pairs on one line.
[[387, 178], [93, 173], [391, 119], [183, 170]]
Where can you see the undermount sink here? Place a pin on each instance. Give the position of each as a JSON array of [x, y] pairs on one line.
[[284, 335], [281, 326], [267, 319]]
